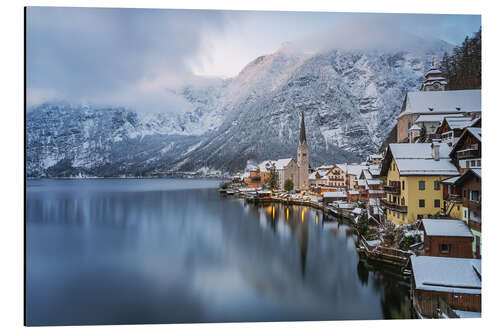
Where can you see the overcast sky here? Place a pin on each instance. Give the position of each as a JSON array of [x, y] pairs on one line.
[[131, 56]]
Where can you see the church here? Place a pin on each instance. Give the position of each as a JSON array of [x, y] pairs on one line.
[[286, 168], [432, 104]]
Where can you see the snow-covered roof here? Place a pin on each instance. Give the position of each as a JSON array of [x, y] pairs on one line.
[[430, 118], [450, 180], [342, 166], [334, 194], [459, 122], [345, 205], [475, 131], [416, 159], [453, 275], [446, 227], [355, 169], [477, 172], [374, 156], [353, 192], [278, 164], [415, 150], [357, 211], [264, 192], [415, 127], [366, 173], [374, 170], [446, 101], [250, 189], [463, 177], [433, 71], [373, 181], [362, 182], [325, 167], [467, 314]]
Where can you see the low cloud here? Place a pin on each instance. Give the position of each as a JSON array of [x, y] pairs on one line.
[[139, 58], [113, 56]]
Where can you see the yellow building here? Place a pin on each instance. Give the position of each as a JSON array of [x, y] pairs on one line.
[[413, 174]]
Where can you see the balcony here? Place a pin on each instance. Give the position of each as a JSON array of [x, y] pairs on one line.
[[472, 152], [474, 204], [454, 198], [393, 188], [394, 206], [434, 136]]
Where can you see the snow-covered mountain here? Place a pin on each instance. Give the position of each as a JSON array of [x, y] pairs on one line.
[[350, 98]]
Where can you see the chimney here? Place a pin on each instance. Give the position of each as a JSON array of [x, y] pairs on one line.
[[435, 150]]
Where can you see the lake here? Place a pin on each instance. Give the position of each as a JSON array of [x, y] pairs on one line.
[[125, 251]]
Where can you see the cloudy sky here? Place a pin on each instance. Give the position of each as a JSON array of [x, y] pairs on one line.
[[134, 57]]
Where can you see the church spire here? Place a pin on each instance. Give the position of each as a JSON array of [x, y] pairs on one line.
[[302, 129]]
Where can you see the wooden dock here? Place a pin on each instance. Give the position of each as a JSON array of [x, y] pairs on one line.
[[383, 254]]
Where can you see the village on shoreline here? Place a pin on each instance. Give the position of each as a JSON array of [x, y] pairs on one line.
[[416, 204]]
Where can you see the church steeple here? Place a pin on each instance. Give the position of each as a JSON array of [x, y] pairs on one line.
[[302, 129], [303, 157], [434, 81]]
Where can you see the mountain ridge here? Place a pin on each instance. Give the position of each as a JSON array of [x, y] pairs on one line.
[[350, 99]]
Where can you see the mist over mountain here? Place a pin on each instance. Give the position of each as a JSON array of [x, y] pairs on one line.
[[350, 96]]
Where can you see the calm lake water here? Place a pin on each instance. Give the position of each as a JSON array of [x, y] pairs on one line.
[[116, 251]]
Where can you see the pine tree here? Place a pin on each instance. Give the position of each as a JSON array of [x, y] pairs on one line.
[[423, 135], [462, 68], [273, 178], [288, 185]]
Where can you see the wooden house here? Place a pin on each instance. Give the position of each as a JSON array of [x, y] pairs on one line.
[[466, 153], [439, 282], [337, 176], [447, 238], [334, 196], [452, 127], [462, 197]]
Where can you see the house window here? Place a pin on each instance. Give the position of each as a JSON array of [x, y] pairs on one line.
[[474, 195], [403, 185], [403, 201], [465, 214], [437, 203], [421, 203], [465, 193], [444, 248], [478, 163], [473, 163], [467, 164], [436, 185], [398, 215], [421, 185]]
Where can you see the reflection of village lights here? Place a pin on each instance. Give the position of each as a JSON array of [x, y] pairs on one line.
[[270, 210], [287, 212], [303, 211], [273, 212], [316, 219]]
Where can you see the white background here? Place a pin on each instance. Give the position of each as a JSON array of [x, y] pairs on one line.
[[12, 154]]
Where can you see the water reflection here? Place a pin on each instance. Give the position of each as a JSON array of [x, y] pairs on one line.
[[100, 252]]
